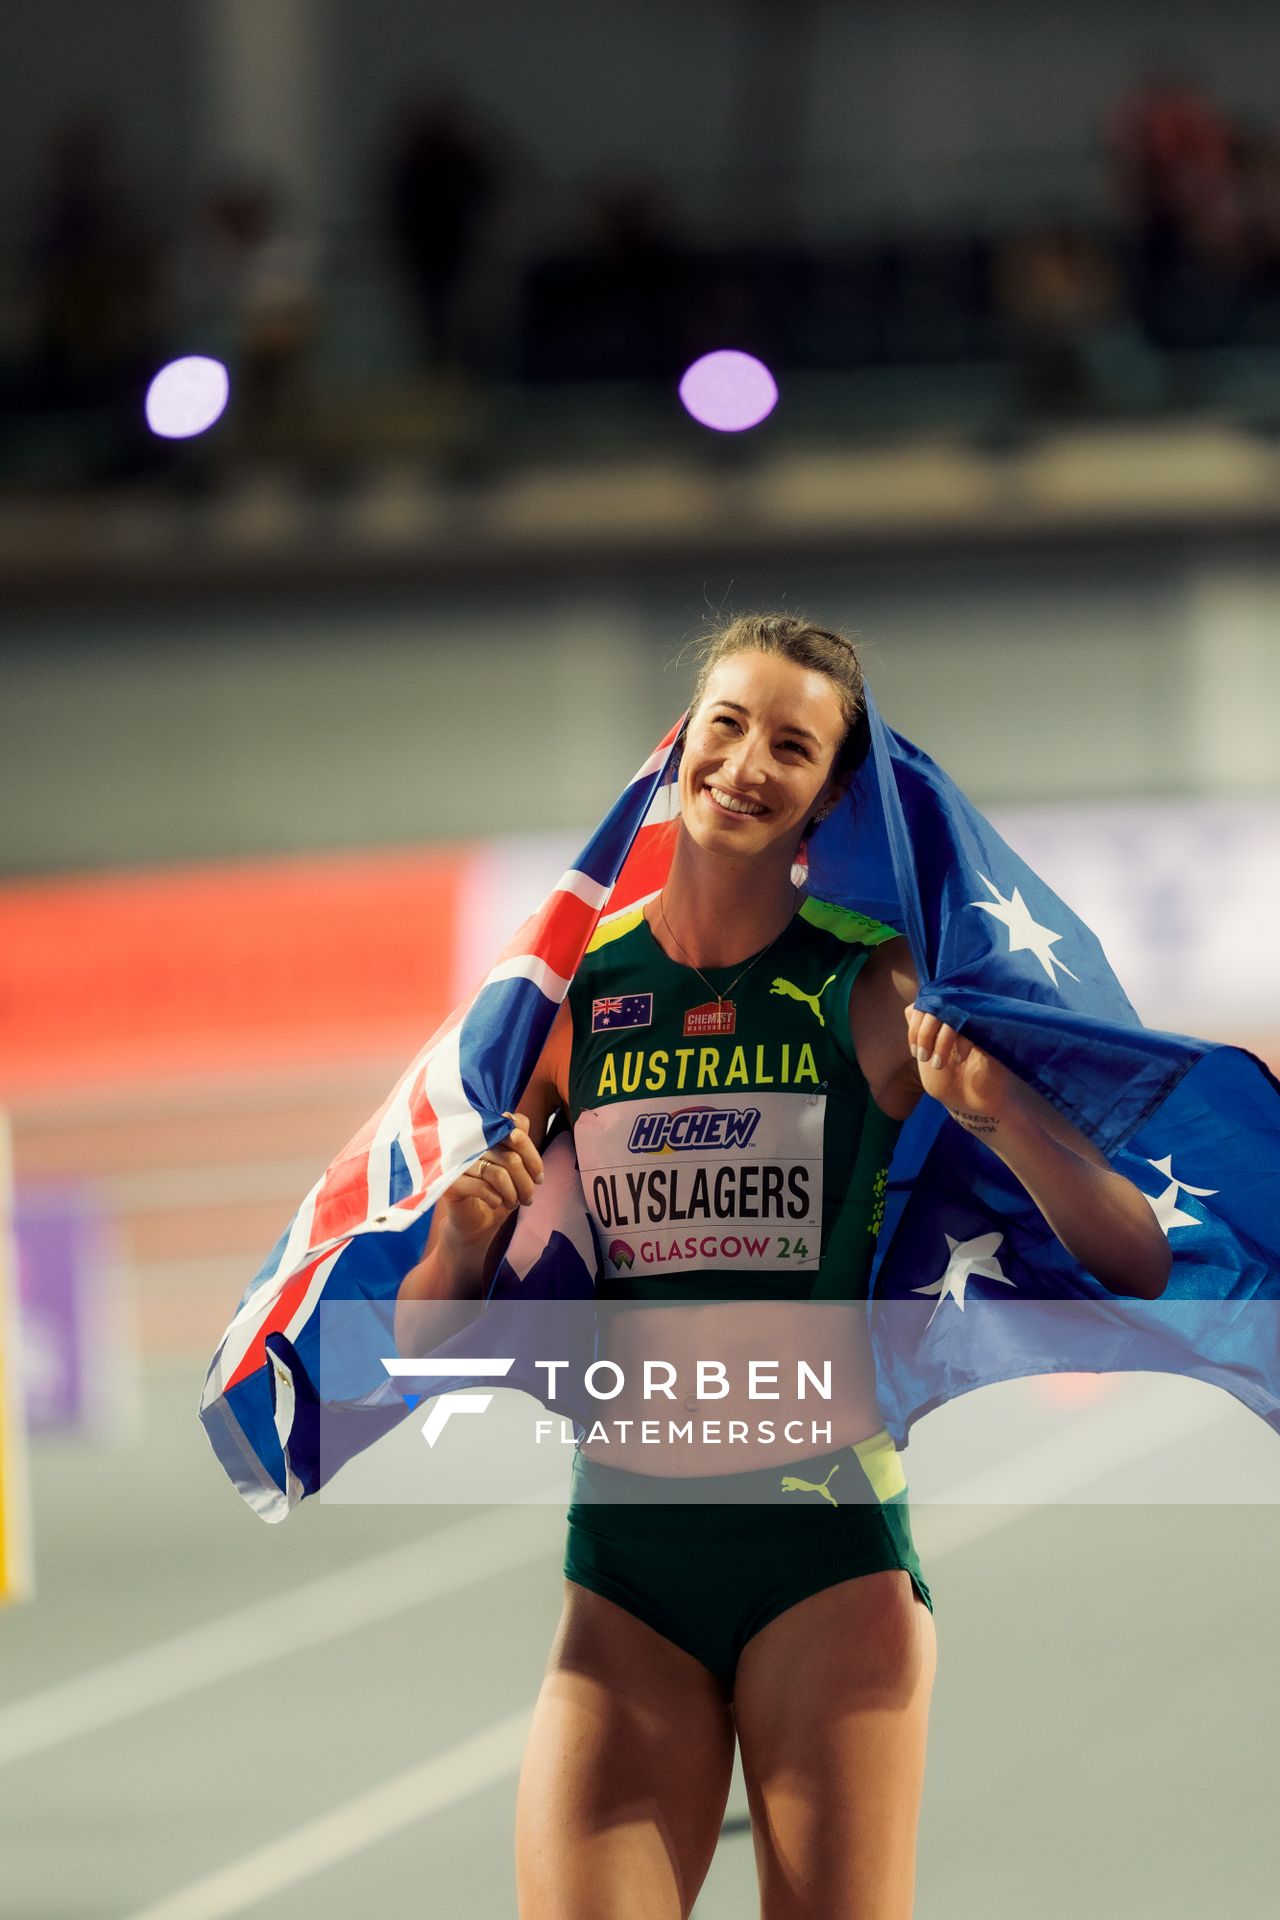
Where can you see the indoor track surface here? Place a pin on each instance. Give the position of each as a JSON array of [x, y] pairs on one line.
[[201, 1715]]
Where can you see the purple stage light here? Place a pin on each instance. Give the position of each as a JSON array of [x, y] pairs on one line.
[[186, 397], [728, 391]]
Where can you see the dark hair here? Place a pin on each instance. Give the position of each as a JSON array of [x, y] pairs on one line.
[[792, 638]]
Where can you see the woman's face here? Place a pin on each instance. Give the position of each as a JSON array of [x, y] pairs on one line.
[[758, 754]]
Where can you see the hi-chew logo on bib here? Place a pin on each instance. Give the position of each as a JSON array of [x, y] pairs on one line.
[[721, 1183], [697, 1129]]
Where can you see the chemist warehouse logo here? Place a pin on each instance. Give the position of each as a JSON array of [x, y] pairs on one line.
[[694, 1130]]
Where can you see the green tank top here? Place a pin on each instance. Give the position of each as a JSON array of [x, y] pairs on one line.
[[736, 1156]]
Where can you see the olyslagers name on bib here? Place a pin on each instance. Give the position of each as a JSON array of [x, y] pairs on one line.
[[683, 1182]]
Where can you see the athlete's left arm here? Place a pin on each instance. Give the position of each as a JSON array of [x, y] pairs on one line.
[[1101, 1218]]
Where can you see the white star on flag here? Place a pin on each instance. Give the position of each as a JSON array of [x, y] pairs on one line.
[[967, 1256], [1025, 934], [1165, 1205]]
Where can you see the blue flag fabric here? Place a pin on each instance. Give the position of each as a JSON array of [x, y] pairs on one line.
[[1195, 1126], [969, 1285]]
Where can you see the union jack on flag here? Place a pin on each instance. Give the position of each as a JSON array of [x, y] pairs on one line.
[[365, 1222], [1193, 1123]]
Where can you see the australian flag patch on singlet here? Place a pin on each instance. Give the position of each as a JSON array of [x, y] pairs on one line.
[[622, 1010]]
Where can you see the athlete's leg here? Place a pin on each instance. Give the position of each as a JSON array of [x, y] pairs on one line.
[[831, 1701], [626, 1773]]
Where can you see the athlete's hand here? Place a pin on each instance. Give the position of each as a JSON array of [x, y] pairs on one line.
[[502, 1179], [969, 1083]]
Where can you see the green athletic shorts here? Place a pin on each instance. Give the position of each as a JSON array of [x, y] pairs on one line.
[[709, 1576]]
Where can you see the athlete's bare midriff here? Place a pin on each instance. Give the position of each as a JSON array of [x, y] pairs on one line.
[[781, 1333]]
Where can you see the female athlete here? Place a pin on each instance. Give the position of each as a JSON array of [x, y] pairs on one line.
[[798, 1625]]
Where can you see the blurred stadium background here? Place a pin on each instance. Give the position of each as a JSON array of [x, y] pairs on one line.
[[301, 713]]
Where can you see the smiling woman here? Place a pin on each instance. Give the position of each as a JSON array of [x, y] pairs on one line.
[[734, 1058], [762, 741], [685, 1626]]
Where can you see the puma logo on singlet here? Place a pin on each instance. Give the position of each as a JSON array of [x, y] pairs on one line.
[[793, 992], [791, 1483]]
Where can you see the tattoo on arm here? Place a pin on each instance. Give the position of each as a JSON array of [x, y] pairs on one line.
[[976, 1122]]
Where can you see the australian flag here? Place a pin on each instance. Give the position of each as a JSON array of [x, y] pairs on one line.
[[969, 1286], [621, 1010]]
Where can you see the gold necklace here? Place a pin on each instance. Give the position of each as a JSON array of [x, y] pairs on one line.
[[722, 997]]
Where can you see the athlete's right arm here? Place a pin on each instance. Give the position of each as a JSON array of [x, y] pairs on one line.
[[460, 1254]]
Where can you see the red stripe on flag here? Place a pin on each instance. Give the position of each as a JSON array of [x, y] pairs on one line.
[[279, 1314], [342, 1203], [557, 934], [645, 869]]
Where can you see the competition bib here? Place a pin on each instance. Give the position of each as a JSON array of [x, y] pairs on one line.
[[721, 1180]]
